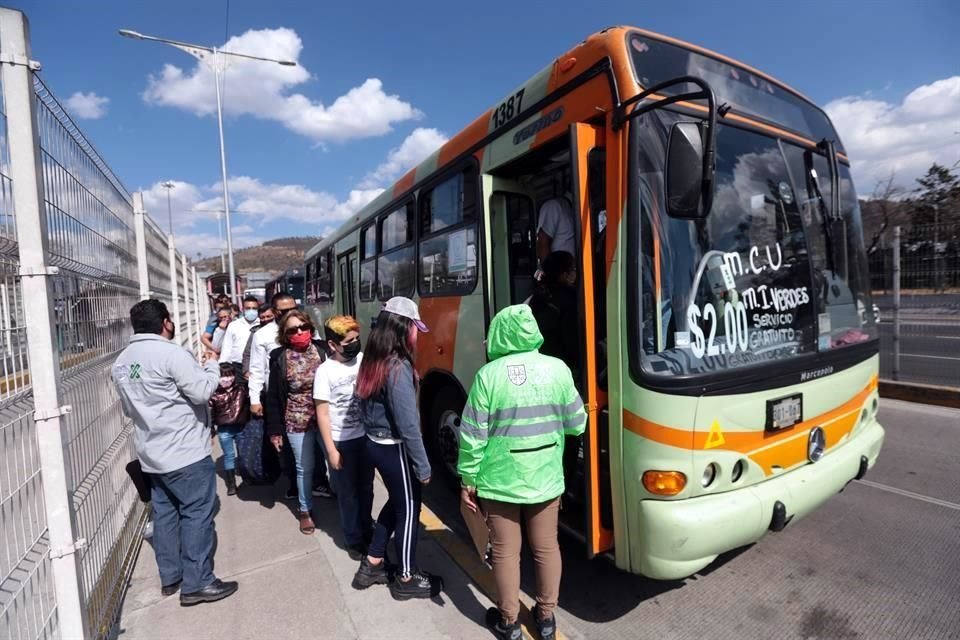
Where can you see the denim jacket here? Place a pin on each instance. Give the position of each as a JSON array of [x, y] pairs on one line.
[[392, 413]]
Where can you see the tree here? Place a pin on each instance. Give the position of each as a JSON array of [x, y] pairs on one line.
[[938, 196], [887, 206]]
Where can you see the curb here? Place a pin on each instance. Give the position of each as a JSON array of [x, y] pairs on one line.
[[465, 557], [922, 393]]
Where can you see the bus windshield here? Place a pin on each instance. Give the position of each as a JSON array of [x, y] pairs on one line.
[[761, 279], [655, 61]]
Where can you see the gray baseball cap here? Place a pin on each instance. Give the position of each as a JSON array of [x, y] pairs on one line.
[[408, 309]]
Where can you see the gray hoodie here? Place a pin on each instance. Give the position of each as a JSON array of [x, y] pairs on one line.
[[165, 391]]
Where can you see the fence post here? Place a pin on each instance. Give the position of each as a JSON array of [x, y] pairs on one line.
[[174, 295], [896, 302], [38, 304], [186, 302], [139, 224], [198, 326]]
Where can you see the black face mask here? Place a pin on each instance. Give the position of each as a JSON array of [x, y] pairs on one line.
[[351, 351]]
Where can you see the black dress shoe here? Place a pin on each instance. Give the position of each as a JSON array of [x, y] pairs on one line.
[[217, 590], [170, 589]]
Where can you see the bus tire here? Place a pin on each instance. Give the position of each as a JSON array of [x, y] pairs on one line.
[[445, 412]]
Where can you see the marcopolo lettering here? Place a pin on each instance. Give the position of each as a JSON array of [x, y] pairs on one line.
[[537, 126]]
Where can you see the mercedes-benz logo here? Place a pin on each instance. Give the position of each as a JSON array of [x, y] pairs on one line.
[[816, 443]]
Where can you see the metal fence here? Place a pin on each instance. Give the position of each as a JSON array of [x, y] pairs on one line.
[[915, 276], [76, 252]]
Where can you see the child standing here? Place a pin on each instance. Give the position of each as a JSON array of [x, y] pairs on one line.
[[342, 433]]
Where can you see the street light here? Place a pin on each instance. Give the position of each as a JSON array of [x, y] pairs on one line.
[[168, 185], [215, 59]]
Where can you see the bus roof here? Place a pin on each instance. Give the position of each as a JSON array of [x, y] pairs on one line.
[[608, 43]]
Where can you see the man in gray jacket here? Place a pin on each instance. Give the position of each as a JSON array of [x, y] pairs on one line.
[[165, 392]]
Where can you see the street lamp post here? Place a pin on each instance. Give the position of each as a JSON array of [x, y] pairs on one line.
[[168, 185], [216, 59]]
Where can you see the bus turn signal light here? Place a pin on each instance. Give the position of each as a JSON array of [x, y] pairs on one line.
[[664, 483]]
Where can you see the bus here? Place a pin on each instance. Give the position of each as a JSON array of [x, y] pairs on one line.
[[219, 283], [728, 353], [291, 281]]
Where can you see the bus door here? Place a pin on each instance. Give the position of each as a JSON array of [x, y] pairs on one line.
[[347, 272], [588, 161], [512, 229]]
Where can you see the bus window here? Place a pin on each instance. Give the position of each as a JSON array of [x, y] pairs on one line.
[[368, 265], [396, 264], [448, 232]]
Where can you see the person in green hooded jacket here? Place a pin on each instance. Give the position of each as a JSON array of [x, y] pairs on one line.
[[520, 408]]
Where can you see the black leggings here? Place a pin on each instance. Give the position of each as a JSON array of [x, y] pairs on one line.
[[401, 513]]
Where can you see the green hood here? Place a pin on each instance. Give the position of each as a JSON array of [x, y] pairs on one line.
[[513, 330]]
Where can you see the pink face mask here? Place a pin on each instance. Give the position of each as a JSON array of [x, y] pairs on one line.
[[226, 381]]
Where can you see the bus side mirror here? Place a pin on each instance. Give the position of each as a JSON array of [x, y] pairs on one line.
[[688, 177]]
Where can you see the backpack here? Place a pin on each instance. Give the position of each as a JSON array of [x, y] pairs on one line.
[[257, 461]]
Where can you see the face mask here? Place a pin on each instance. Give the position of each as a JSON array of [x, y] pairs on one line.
[[301, 340], [251, 315], [351, 350], [226, 381]]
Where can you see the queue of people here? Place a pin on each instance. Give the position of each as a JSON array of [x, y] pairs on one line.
[[323, 397]]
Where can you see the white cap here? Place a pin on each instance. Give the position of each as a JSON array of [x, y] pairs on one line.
[[408, 309]]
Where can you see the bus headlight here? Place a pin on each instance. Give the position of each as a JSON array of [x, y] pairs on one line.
[[664, 483], [737, 471], [709, 475]]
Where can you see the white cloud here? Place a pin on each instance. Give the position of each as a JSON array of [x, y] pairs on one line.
[[411, 152], [263, 90], [185, 199], [87, 106], [253, 201], [904, 138], [266, 201]]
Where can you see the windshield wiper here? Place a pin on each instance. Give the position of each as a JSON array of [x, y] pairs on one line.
[[826, 215]]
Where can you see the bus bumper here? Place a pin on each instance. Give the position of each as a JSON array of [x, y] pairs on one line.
[[678, 538]]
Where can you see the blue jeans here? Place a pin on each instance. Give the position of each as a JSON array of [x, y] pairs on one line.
[[226, 434], [304, 447], [353, 484], [183, 506]]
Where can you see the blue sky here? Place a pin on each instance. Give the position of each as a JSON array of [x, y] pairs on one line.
[[302, 155]]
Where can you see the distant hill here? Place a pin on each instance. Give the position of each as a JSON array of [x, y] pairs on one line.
[[273, 255]]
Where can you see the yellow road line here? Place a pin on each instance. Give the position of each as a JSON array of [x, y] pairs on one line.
[[465, 556]]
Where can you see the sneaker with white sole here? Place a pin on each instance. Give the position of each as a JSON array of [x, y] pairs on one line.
[[420, 585]]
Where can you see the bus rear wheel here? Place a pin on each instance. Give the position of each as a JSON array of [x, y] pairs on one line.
[[444, 434]]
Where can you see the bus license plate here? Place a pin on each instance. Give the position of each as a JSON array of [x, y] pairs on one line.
[[783, 413]]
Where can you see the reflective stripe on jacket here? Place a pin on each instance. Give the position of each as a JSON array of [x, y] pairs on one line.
[[519, 409]]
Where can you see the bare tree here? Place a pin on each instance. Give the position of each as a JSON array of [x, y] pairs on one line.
[[888, 205]]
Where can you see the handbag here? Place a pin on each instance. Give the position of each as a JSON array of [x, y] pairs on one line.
[[140, 479], [229, 404], [257, 461]]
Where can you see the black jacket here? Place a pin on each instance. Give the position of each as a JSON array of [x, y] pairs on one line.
[[275, 403]]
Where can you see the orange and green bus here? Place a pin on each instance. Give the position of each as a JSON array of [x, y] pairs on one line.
[[728, 353]]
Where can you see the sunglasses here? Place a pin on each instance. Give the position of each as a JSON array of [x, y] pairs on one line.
[[292, 331]]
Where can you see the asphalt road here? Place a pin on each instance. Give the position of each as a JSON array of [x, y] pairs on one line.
[[881, 560]]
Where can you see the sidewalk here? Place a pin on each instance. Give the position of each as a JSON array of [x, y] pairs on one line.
[[292, 585]]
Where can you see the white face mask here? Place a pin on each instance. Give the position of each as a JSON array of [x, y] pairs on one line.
[[251, 315]]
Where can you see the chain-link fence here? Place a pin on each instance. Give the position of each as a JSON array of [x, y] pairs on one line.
[[915, 275], [75, 255]]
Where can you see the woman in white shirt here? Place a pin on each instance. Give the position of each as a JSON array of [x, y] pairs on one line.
[[344, 439]]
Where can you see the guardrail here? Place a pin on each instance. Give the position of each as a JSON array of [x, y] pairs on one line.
[[76, 252]]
